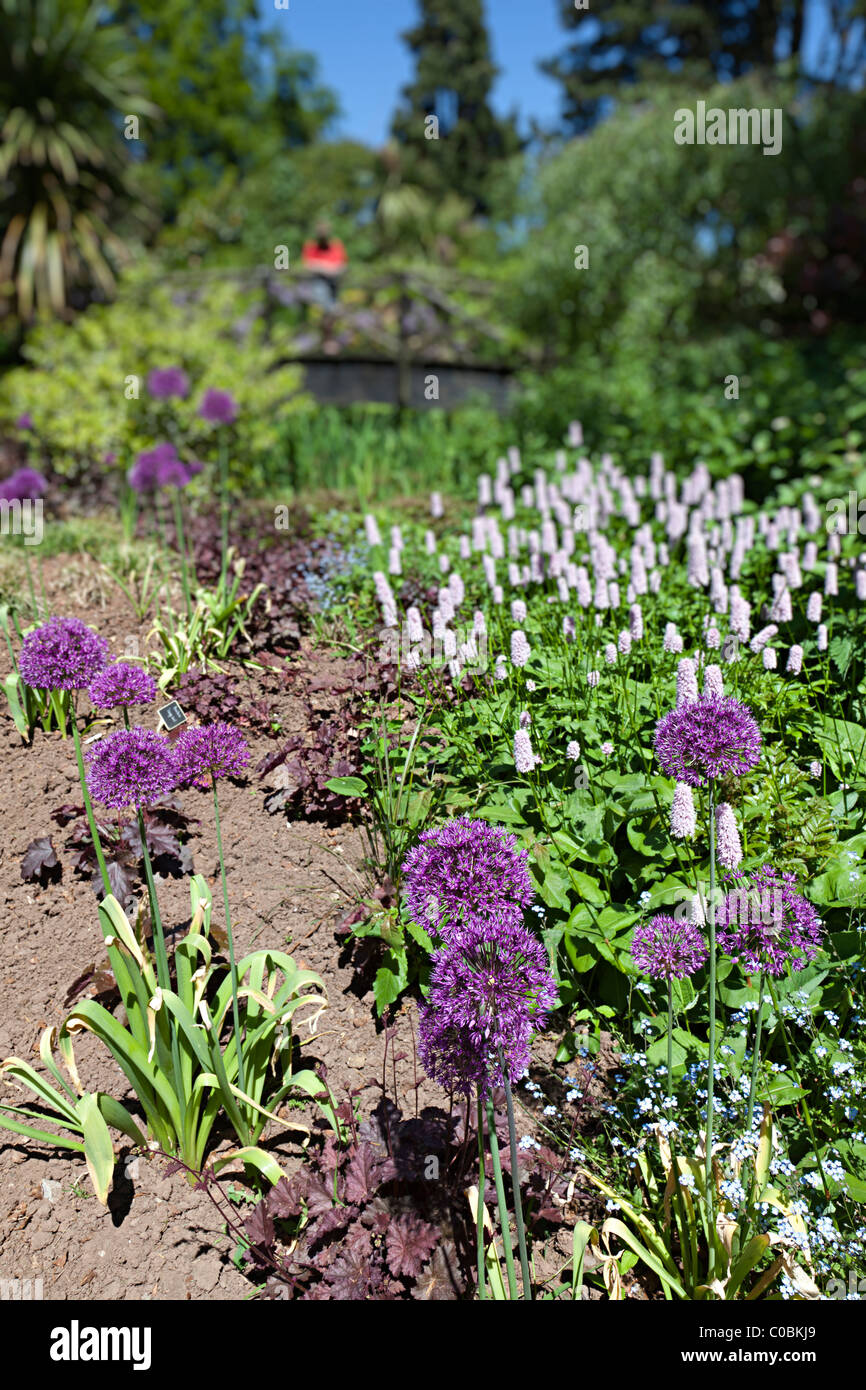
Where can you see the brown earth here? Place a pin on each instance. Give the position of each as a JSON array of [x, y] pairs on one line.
[[290, 883]]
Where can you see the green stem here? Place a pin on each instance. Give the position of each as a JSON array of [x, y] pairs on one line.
[[756, 1056], [711, 1060], [234, 969], [33, 598], [224, 508], [88, 806], [500, 1198], [515, 1187], [163, 974], [479, 1221], [670, 1043], [181, 545]]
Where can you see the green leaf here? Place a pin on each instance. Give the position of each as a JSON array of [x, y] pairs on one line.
[[347, 786], [98, 1148]]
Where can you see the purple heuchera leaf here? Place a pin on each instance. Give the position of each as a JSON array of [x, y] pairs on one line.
[[409, 1243]]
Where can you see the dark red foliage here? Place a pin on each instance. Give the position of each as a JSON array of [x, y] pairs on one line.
[[166, 830]]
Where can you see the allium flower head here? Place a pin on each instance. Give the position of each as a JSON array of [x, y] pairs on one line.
[[218, 407], [208, 751], [707, 738], [62, 654], [489, 991], [764, 923], [23, 485], [132, 767], [164, 382], [668, 947], [120, 685], [154, 467], [466, 871]]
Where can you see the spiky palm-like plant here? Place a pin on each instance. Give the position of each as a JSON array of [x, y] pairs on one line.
[[66, 86]]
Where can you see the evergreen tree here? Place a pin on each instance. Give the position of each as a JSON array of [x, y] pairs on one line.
[[231, 95], [448, 131], [620, 46]]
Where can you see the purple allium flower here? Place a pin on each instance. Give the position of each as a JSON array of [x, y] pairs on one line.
[[132, 767], [210, 750], [764, 923], [489, 991], [121, 685], [23, 485], [668, 947], [728, 846], [465, 871], [684, 817], [164, 382], [707, 738], [24, 421], [520, 649], [218, 407], [150, 466], [62, 654]]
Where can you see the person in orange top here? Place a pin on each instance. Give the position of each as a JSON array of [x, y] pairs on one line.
[[325, 259]]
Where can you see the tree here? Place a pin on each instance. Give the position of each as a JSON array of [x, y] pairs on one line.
[[65, 82], [232, 95], [621, 46], [448, 130]]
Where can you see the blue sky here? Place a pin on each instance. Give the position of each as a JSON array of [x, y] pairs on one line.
[[362, 57]]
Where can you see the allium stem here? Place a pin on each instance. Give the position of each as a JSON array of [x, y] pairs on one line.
[[500, 1198], [479, 1217], [181, 545], [756, 1055], [711, 1062], [236, 1019], [515, 1185], [159, 949], [224, 508], [88, 807], [670, 1041]]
